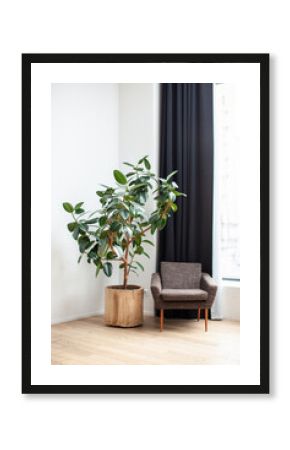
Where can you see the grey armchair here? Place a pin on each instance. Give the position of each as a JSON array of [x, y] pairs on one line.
[[183, 286]]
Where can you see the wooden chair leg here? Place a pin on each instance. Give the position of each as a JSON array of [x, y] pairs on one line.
[[161, 319], [198, 313], [206, 318]]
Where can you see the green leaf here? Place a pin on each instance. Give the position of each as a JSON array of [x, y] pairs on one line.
[[124, 214], [104, 234], [124, 206], [147, 164], [84, 243], [111, 255], [120, 177], [76, 232], [153, 228], [139, 250], [142, 159], [78, 205], [92, 254], [171, 175], [99, 267], [172, 196], [148, 242], [138, 240], [146, 254], [71, 226], [136, 186], [103, 248], [68, 207], [115, 226], [162, 224], [128, 231], [174, 207], [79, 210], [84, 227], [119, 250], [108, 268], [102, 221], [140, 265], [142, 197], [91, 221], [179, 194], [79, 259], [134, 271]]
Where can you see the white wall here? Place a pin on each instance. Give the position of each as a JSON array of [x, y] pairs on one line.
[[230, 301], [138, 136], [84, 153], [94, 128]]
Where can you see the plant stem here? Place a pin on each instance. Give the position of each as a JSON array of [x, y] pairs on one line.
[[146, 229], [126, 272]]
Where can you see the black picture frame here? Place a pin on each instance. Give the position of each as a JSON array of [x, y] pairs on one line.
[[27, 61]]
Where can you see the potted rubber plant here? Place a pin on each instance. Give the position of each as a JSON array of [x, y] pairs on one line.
[[116, 234]]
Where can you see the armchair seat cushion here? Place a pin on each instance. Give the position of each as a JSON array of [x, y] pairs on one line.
[[186, 295]]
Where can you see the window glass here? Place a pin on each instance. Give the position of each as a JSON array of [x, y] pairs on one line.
[[227, 148]]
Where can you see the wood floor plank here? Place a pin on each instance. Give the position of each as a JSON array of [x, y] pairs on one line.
[[89, 342]]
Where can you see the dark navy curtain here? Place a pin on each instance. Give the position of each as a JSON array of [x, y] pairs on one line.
[[186, 145]]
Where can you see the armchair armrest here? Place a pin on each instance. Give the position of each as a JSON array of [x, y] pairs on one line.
[[208, 284], [156, 286]]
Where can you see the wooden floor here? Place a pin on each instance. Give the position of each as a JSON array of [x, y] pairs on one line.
[[89, 341]]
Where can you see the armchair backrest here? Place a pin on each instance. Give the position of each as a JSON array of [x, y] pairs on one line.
[[175, 275]]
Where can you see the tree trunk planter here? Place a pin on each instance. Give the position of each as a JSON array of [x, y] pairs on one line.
[[124, 307]]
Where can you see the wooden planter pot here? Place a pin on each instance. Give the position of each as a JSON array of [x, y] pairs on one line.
[[124, 307]]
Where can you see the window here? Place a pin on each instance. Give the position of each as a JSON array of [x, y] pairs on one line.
[[227, 155]]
